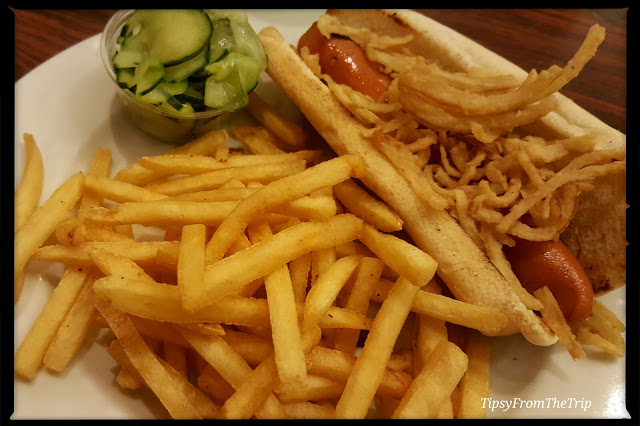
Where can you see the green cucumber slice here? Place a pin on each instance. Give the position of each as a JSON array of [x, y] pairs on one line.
[[164, 91], [248, 68], [227, 94], [171, 36], [222, 41], [231, 81], [125, 77], [177, 107], [192, 96], [188, 68], [248, 43], [147, 76]]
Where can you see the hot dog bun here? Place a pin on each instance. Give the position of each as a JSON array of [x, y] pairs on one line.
[[434, 231]]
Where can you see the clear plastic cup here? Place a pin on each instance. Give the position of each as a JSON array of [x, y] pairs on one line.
[[152, 120]]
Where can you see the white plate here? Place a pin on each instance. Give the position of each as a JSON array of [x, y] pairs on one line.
[[69, 105]]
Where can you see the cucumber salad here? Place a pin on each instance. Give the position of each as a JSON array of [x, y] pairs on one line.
[[189, 61]]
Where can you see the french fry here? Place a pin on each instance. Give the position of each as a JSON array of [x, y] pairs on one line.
[[482, 318], [204, 145], [145, 362], [552, 316], [124, 229], [353, 248], [283, 316], [434, 384], [321, 260], [403, 359], [175, 356], [119, 191], [232, 367], [158, 330], [221, 152], [128, 295], [191, 265], [367, 275], [206, 328], [128, 377], [254, 349], [29, 356], [224, 193], [211, 382], [311, 389], [299, 269], [257, 139], [474, 385], [401, 256], [234, 272], [279, 192], [138, 251], [101, 167], [127, 380], [261, 382], [86, 232], [263, 173], [203, 405], [309, 208], [325, 290], [27, 197], [73, 330], [164, 213], [192, 164], [337, 366], [64, 230], [276, 123], [41, 223], [366, 207], [429, 332], [369, 368], [111, 263]]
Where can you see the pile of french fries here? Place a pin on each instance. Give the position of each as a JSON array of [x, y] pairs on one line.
[[261, 284]]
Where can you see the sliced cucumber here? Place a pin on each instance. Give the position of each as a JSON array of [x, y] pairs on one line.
[[175, 103], [131, 53], [188, 68], [194, 97], [248, 43], [225, 94], [171, 36], [222, 41], [245, 38], [164, 91], [177, 107], [248, 68], [231, 81], [147, 76], [125, 77]]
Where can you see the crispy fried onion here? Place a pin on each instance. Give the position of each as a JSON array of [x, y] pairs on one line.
[[445, 101], [456, 139]]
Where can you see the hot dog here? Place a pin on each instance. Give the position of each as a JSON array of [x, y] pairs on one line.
[[471, 276]]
